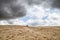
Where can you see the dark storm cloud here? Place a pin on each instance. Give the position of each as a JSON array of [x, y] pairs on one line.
[[9, 9], [56, 4]]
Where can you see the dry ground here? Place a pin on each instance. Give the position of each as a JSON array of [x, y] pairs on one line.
[[29, 33]]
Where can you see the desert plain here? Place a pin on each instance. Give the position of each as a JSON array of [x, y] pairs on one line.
[[29, 33]]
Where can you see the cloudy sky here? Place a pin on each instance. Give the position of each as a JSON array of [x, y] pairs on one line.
[[37, 14]]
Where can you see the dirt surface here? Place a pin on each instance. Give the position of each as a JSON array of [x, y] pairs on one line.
[[29, 33]]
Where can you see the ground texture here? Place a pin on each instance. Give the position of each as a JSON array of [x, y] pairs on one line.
[[29, 33]]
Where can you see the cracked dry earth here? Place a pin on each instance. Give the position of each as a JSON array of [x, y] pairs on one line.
[[29, 33]]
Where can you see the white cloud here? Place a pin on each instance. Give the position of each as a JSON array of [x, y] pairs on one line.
[[54, 19], [19, 22], [3, 23], [37, 11], [12, 22]]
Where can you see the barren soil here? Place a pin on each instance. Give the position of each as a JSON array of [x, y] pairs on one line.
[[29, 33]]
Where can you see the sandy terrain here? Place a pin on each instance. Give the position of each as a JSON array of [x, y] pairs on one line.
[[29, 33]]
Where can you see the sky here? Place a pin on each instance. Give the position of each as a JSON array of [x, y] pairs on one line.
[[37, 14]]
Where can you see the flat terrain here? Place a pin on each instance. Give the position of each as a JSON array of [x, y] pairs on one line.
[[29, 33]]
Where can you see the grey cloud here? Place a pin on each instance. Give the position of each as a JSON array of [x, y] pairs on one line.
[[56, 4], [36, 2], [45, 3], [8, 9]]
